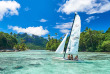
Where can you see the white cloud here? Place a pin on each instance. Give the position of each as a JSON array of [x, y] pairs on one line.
[[57, 23], [62, 17], [91, 18], [8, 8], [88, 6], [46, 38], [43, 20], [30, 30], [64, 30], [27, 9], [50, 37], [64, 27]]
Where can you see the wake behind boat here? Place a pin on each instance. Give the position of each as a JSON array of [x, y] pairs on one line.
[[73, 43]]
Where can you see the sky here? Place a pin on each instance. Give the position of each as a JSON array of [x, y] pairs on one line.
[[43, 17]]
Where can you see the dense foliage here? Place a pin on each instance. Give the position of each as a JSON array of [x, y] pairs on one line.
[[21, 42], [52, 44], [90, 40], [32, 42], [7, 41], [21, 46]]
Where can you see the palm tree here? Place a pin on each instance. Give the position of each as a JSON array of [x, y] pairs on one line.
[[60, 38], [64, 34], [14, 35], [11, 33], [56, 37], [48, 37], [22, 41], [90, 34]]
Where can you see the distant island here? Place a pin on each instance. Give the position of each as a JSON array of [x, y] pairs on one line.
[[20, 42], [90, 41], [32, 42]]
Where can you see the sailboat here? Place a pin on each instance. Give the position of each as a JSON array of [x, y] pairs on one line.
[[73, 43]]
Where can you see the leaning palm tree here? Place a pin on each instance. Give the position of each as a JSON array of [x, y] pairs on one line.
[[60, 38], [56, 36]]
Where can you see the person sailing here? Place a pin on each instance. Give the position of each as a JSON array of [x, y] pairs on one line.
[[70, 57], [76, 58]]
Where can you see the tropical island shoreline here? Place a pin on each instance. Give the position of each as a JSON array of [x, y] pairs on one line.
[[90, 41], [11, 50]]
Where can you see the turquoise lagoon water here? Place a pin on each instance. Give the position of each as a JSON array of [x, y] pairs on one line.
[[42, 62]]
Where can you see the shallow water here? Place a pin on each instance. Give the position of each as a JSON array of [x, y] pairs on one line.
[[42, 62]]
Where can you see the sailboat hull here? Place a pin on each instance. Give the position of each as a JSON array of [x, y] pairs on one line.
[[66, 60]]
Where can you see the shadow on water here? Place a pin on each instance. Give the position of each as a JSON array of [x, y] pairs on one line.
[[18, 67], [2, 69], [98, 57], [36, 59], [35, 65]]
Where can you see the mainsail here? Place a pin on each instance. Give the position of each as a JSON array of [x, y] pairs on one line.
[[61, 46], [73, 43]]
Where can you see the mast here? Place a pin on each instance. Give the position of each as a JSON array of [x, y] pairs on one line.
[[70, 33]]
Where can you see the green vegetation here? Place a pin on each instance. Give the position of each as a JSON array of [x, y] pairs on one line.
[[32, 42], [7, 41], [21, 46], [21, 42], [10, 42], [52, 44], [90, 40]]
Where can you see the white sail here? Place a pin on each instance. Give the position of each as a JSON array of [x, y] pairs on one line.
[[61, 46], [74, 37]]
